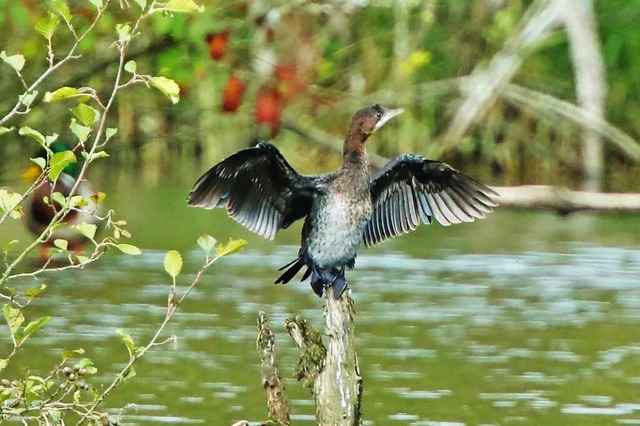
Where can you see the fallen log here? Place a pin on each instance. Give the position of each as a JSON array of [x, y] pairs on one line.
[[564, 201]]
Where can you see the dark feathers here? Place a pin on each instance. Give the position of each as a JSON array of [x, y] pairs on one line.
[[411, 190], [259, 189]]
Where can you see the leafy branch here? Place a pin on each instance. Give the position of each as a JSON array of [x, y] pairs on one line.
[[47, 400], [86, 118], [173, 266]]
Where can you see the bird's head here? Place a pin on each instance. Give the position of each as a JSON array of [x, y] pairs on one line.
[[370, 119]]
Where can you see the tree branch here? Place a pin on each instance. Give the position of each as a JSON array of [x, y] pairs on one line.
[[271, 380]]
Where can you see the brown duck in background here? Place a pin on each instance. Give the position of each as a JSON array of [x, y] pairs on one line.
[[39, 214], [341, 209]]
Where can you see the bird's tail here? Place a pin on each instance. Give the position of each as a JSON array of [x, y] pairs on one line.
[[292, 269], [321, 278]]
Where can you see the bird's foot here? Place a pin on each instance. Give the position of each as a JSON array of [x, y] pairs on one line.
[[323, 278]]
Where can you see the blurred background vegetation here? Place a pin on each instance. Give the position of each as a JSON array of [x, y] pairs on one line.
[[259, 69]]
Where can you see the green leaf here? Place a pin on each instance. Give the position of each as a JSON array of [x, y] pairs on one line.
[[71, 354], [28, 131], [129, 249], [27, 98], [96, 3], [61, 200], [86, 114], [95, 155], [87, 364], [167, 86], [13, 317], [98, 197], [141, 3], [78, 201], [39, 161], [127, 340], [16, 61], [9, 202], [231, 247], [61, 244], [49, 139], [33, 292], [81, 132], [207, 243], [62, 8], [110, 132], [173, 263], [86, 229], [131, 67], [7, 246], [130, 373], [3, 364], [180, 6], [124, 32], [61, 93], [82, 259], [58, 162], [4, 130], [47, 26], [34, 325]]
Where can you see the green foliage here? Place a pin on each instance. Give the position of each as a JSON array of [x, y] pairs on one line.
[[36, 135], [64, 394], [61, 93], [129, 249], [16, 61], [232, 246], [173, 263], [9, 203], [207, 243], [58, 162], [168, 87], [47, 26]]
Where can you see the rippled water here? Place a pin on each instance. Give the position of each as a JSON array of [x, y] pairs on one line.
[[523, 318], [467, 336]]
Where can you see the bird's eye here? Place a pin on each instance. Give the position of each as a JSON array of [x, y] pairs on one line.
[[378, 114]]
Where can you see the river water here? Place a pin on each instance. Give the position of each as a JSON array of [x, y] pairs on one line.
[[522, 318]]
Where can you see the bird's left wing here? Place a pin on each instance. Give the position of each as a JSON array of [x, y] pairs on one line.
[[259, 189], [411, 190]]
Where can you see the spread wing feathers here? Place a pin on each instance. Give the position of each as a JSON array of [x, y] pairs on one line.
[[259, 189], [411, 190]]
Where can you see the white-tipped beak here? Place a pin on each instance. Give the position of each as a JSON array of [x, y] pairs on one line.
[[387, 114]]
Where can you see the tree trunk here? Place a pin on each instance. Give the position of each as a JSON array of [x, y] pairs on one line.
[[589, 75]]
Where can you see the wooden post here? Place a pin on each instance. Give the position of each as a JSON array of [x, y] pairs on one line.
[[333, 374], [338, 389]]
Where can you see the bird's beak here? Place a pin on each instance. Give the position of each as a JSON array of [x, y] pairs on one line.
[[31, 174], [387, 114]]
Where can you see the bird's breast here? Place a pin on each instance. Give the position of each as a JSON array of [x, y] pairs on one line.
[[338, 225]]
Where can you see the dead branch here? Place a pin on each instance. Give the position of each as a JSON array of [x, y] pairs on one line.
[[565, 201], [271, 380], [487, 85]]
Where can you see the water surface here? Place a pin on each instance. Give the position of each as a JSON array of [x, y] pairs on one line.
[[523, 318]]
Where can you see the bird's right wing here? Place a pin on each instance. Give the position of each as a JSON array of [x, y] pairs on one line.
[[259, 189]]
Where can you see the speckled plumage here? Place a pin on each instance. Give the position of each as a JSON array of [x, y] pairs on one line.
[[340, 209]]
